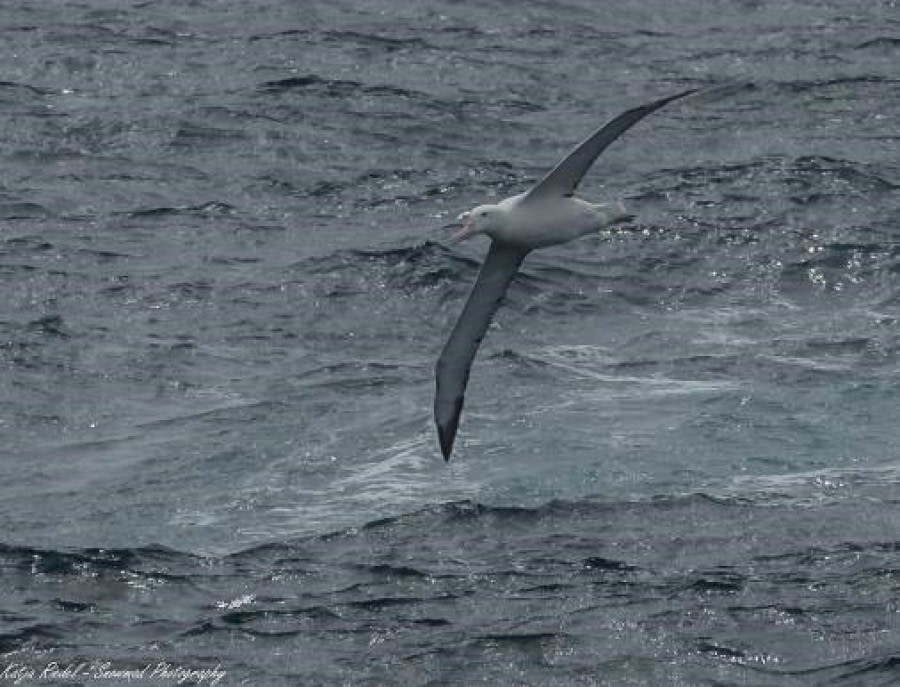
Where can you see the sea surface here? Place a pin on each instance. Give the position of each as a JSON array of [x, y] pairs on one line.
[[226, 276]]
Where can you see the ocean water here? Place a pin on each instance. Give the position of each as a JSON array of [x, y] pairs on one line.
[[226, 281]]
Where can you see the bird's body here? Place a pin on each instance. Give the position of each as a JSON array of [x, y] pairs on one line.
[[546, 215], [552, 221]]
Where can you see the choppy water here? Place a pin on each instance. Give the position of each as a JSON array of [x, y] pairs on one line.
[[225, 285]]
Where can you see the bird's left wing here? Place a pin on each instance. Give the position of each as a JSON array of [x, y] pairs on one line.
[[453, 365], [565, 177]]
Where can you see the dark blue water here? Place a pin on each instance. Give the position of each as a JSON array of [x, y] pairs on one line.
[[225, 285]]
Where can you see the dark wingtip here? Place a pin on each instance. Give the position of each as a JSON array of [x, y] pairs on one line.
[[446, 435], [665, 101], [447, 422]]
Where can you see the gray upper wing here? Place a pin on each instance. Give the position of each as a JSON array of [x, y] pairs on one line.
[[564, 178], [453, 365]]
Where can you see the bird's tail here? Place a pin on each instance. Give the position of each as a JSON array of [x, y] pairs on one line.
[[614, 213]]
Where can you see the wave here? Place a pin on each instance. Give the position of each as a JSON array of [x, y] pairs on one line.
[[411, 269], [806, 173], [349, 376], [208, 209], [802, 86], [887, 43], [89, 562], [464, 518], [343, 88], [723, 580], [17, 210]]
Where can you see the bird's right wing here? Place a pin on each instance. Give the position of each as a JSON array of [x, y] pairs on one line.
[[453, 365], [564, 178]]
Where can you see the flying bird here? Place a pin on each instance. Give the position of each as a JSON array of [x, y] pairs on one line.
[[545, 215]]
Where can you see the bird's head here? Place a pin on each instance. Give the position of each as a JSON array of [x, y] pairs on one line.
[[485, 219]]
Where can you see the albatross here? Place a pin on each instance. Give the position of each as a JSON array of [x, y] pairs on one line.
[[545, 215]]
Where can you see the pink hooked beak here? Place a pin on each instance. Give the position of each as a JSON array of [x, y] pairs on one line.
[[468, 228]]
